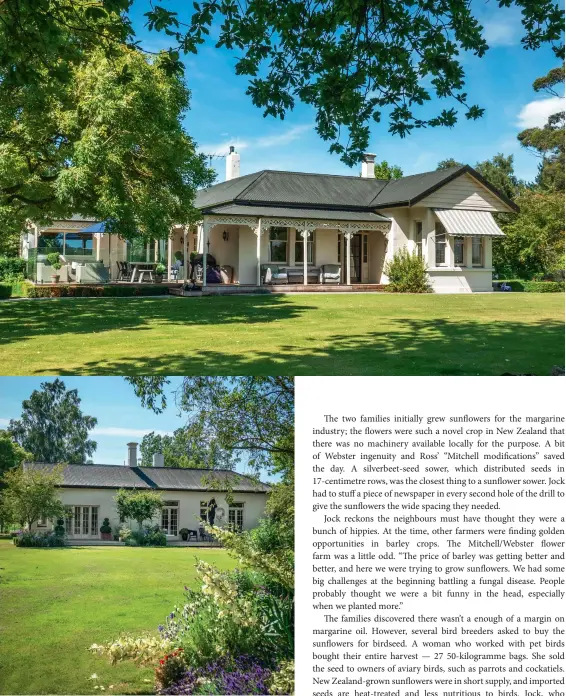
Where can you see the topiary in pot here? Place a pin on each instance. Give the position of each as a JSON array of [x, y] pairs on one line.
[[178, 255], [184, 532], [106, 530], [59, 529], [159, 271], [53, 261]]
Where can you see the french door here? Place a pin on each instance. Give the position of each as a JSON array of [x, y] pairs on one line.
[[82, 522], [170, 518], [359, 267]]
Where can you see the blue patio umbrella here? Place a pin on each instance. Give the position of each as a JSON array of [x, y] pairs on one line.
[[96, 227]]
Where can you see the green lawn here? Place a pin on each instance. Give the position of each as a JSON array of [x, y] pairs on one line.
[[349, 334], [56, 602]]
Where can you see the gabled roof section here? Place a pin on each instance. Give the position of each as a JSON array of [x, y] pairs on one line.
[[156, 478], [331, 192], [409, 190]]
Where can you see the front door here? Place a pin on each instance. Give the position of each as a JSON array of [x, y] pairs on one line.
[[356, 259], [82, 523]]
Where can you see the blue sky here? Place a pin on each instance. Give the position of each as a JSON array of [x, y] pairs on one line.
[[221, 113], [111, 400]]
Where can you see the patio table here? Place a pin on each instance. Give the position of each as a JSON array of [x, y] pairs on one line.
[[142, 266]]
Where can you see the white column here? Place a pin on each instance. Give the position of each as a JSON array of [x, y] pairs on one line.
[[185, 255], [305, 236], [487, 252], [348, 238], [97, 246], [205, 229], [258, 232], [449, 251], [169, 255], [468, 252]]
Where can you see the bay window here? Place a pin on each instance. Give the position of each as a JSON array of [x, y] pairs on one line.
[[278, 239]]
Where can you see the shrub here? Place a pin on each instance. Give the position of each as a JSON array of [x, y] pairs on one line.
[[160, 269], [59, 529], [38, 539], [65, 290], [148, 536], [5, 290], [535, 286], [407, 273], [11, 268], [124, 533], [142, 650], [105, 527], [283, 680], [226, 675], [178, 255]]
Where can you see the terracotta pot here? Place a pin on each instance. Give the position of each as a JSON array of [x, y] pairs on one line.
[[106, 536]]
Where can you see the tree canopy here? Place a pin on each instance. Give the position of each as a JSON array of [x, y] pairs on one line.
[[52, 426], [384, 170], [189, 447], [31, 494], [352, 61], [11, 454], [89, 124], [138, 505], [547, 142]]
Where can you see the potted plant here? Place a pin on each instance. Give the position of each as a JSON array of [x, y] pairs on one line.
[[178, 256], [53, 261], [184, 532], [159, 271], [106, 530]]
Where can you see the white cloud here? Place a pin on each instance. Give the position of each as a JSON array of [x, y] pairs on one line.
[[127, 432], [536, 113], [283, 138], [4, 421], [498, 33]]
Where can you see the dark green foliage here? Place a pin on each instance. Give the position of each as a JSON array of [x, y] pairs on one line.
[[11, 267], [5, 290], [535, 286], [39, 539], [106, 528], [407, 273]]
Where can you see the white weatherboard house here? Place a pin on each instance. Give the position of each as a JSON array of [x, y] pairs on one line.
[[288, 231], [88, 493]]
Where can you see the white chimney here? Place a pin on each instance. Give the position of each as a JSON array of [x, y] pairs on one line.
[[158, 459], [232, 164], [132, 453], [368, 166]]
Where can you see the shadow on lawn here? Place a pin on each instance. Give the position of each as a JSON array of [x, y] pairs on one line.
[[411, 347], [20, 320]]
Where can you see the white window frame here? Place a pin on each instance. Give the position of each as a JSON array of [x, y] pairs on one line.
[[286, 242], [236, 515], [440, 232], [482, 252], [170, 507], [419, 238], [459, 242], [42, 522], [310, 248]]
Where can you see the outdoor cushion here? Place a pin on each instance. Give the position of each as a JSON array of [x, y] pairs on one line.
[[330, 273], [213, 275]]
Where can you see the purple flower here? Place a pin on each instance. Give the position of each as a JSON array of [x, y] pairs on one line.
[[172, 615], [160, 628]]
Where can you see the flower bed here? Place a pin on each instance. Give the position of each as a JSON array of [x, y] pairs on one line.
[[39, 539]]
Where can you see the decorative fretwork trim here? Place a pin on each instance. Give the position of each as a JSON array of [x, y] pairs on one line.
[[298, 224]]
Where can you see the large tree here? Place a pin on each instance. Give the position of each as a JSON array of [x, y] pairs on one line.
[[89, 124], [31, 494], [52, 426], [547, 142]]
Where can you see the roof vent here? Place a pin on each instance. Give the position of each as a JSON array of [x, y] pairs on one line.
[[368, 166]]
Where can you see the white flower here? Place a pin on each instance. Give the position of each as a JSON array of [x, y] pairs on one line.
[[93, 676]]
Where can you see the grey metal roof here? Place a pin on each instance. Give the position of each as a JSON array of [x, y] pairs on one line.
[[311, 213], [308, 191], [159, 478], [97, 475]]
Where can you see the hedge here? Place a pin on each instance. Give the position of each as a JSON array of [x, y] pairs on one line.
[[534, 285], [94, 290], [5, 290]]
